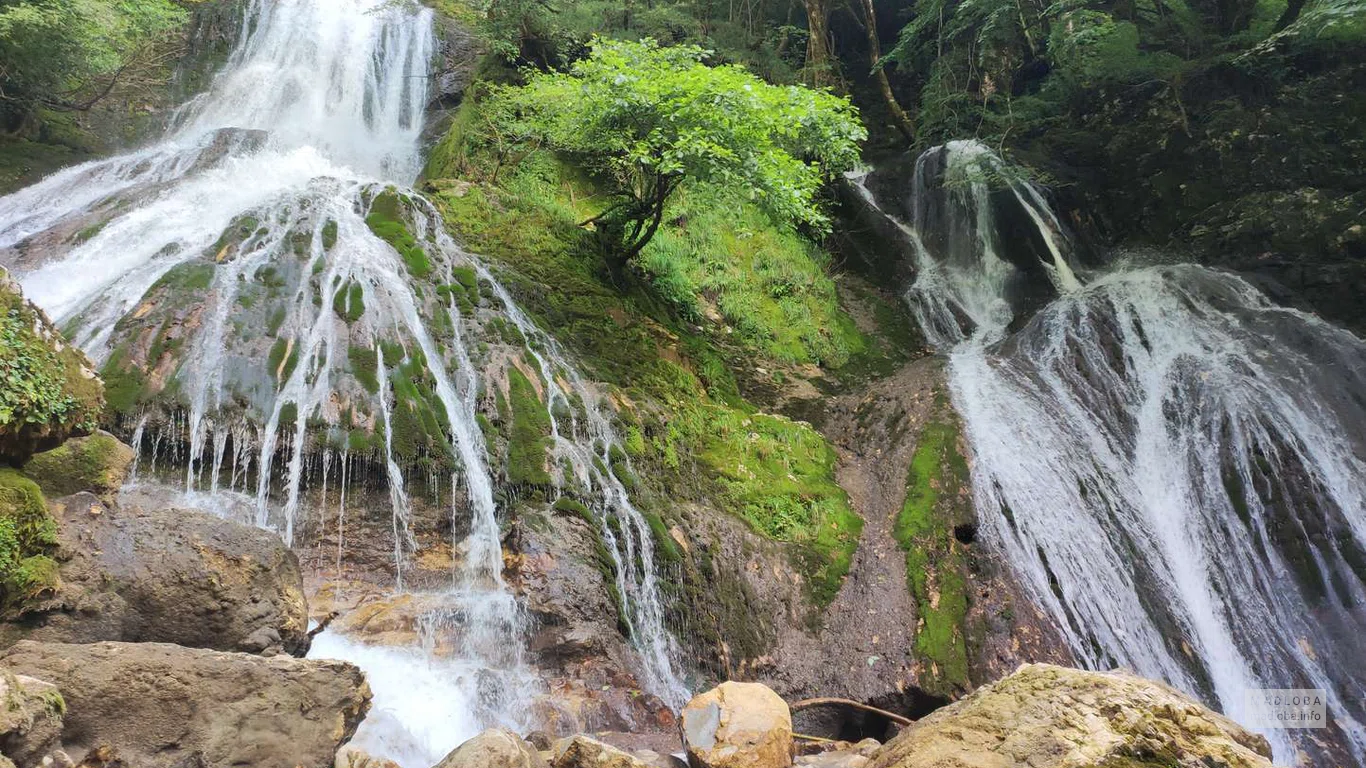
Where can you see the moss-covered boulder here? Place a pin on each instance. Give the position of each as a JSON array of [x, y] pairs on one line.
[[28, 541], [48, 390], [97, 464], [1045, 716]]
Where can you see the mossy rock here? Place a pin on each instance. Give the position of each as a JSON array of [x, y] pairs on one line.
[[48, 389], [28, 538], [938, 500], [98, 464]]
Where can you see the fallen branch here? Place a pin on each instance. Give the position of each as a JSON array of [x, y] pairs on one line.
[[804, 703], [817, 739], [322, 625]]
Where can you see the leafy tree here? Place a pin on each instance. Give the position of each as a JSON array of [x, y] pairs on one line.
[[648, 119], [70, 54]]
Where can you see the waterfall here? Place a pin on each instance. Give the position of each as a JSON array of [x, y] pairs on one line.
[[291, 300], [1174, 466]]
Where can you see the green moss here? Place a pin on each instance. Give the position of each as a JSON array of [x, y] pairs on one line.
[[364, 366], [528, 438], [419, 425], [94, 464], [937, 500], [574, 507], [28, 536], [87, 234], [125, 385], [768, 284], [44, 392], [693, 437], [329, 235], [284, 356], [349, 303], [386, 221]]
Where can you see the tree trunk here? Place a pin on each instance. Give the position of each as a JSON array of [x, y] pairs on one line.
[[1292, 12], [819, 67], [899, 117]]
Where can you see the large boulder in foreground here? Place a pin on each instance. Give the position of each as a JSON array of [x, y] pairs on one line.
[[48, 389], [164, 706], [168, 576], [1045, 716], [494, 748], [738, 725]]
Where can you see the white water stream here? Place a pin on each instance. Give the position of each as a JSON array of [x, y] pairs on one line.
[[320, 109], [1175, 466]]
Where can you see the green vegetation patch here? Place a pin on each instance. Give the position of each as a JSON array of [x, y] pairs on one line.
[[781, 481], [938, 498], [420, 427], [95, 464], [44, 393], [28, 538], [529, 437], [386, 221], [779, 475], [349, 303], [768, 283]]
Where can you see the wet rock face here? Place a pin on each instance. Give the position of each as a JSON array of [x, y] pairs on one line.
[[157, 705], [1045, 716], [178, 576], [738, 725]]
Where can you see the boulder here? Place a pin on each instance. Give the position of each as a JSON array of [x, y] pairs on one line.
[[351, 756], [156, 705], [583, 752], [49, 391], [494, 748], [31, 714], [171, 576], [1045, 716], [98, 464], [738, 725]]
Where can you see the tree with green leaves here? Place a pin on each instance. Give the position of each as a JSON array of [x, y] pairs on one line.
[[648, 119], [67, 55]]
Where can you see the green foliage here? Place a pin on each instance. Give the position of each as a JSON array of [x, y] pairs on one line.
[[42, 390], [63, 54], [699, 443], [646, 119]]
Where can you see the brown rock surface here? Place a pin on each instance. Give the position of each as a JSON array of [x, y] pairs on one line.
[[583, 752], [1045, 716], [31, 713], [494, 748], [175, 576], [738, 725], [157, 705]]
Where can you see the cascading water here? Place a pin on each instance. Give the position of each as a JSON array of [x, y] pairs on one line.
[[1174, 466], [305, 314]]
